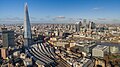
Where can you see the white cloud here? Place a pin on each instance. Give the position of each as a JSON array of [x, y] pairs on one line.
[[97, 8], [60, 17], [11, 19], [101, 18], [33, 18], [107, 21]]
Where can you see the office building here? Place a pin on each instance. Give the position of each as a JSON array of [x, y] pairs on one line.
[[8, 38], [100, 51], [85, 23], [27, 28], [77, 26], [91, 25], [114, 49]]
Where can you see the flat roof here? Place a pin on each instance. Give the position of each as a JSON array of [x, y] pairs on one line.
[[100, 47]]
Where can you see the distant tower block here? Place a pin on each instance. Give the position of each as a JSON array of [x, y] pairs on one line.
[[91, 25], [85, 23], [27, 28], [7, 38], [77, 26]]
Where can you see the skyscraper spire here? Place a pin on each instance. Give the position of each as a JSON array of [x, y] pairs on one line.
[[27, 27]]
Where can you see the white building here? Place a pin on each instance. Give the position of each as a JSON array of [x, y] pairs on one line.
[[100, 51]]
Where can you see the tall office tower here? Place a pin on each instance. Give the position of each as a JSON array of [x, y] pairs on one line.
[[85, 23], [91, 25], [8, 38], [27, 28], [7, 41], [77, 26]]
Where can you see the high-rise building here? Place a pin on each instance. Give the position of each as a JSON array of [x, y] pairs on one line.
[[77, 26], [85, 23], [91, 25], [8, 38], [27, 28], [7, 41]]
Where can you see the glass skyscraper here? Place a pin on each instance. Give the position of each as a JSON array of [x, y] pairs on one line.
[[27, 28]]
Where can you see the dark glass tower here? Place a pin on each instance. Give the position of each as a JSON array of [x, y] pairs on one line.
[[77, 26], [8, 38], [27, 28]]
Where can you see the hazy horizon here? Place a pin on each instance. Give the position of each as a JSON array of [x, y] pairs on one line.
[[60, 11]]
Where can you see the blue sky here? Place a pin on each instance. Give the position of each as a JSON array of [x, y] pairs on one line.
[[61, 11]]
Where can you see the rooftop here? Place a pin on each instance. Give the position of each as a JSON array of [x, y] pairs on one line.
[[100, 47]]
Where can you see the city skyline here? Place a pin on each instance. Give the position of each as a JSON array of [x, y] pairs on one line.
[[57, 34], [61, 11]]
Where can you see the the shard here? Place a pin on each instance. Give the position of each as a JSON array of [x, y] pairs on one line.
[[27, 28], [41, 53]]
